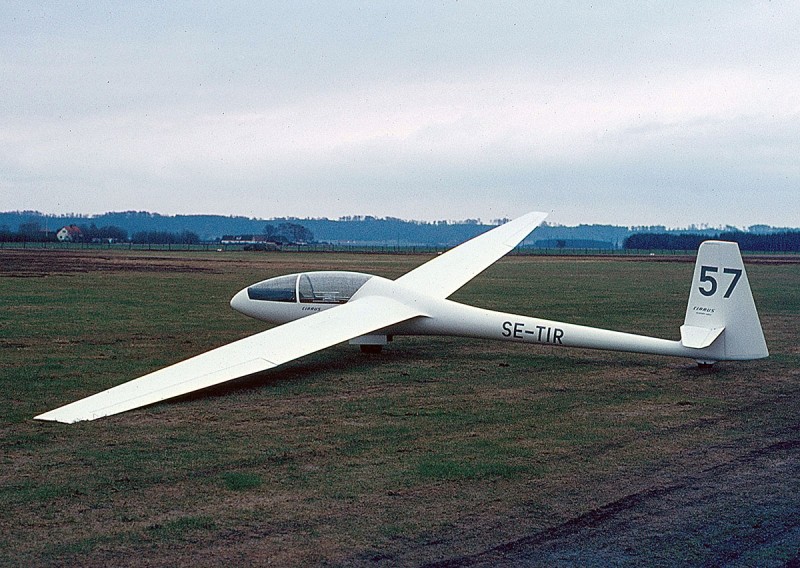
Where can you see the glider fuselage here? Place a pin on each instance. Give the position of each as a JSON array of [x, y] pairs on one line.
[[440, 316]]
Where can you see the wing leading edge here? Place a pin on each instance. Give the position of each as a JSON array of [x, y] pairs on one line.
[[246, 356], [447, 273]]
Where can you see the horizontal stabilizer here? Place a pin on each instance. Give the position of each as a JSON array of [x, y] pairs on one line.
[[699, 337]]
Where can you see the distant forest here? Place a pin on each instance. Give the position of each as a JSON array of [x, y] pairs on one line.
[[782, 241], [141, 226]]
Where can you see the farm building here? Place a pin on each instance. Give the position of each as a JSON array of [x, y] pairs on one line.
[[69, 233]]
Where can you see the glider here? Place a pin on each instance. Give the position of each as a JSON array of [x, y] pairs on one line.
[[320, 309]]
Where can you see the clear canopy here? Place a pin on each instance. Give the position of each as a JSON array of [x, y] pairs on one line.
[[280, 289], [309, 287]]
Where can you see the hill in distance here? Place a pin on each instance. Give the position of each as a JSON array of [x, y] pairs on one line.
[[365, 230]]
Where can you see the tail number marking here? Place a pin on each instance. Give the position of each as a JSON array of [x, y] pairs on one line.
[[707, 278], [539, 333]]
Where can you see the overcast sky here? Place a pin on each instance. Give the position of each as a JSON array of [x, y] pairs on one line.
[[628, 113]]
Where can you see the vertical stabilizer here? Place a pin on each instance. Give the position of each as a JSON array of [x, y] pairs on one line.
[[721, 310]]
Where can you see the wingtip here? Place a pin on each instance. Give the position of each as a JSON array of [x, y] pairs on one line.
[[540, 215], [49, 417], [524, 226], [56, 416]]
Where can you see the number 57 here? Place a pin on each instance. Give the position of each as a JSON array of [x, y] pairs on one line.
[[707, 278]]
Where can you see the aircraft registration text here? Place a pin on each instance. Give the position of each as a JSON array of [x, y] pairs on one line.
[[539, 333]]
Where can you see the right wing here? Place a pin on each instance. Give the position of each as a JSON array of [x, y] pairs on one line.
[[447, 273], [243, 357]]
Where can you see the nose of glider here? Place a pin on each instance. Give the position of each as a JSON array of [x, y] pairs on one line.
[[241, 302]]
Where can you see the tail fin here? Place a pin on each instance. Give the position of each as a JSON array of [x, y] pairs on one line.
[[721, 318]]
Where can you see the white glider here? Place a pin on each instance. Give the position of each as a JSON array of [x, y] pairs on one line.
[[321, 309]]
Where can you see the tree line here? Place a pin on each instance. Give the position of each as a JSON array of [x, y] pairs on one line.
[[165, 238], [91, 233], [32, 231], [783, 241], [358, 229], [286, 233]]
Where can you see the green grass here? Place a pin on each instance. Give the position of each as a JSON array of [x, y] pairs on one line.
[[241, 481], [443, 469], [179, 529], [337, 456]]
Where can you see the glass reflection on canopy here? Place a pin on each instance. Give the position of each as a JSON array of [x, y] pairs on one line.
[[309, 287], [281, 289], [330, 287]]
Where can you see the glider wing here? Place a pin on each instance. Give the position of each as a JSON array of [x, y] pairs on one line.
[[246, 356], [447, 273]]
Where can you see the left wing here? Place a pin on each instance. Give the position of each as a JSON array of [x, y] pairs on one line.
[[246, 356]]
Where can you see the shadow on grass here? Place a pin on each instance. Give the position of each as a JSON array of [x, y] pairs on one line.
[[416, 354]]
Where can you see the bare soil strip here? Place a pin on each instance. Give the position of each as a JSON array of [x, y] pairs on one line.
[[752, 501]]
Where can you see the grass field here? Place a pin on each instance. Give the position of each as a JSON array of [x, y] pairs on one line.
[[437, 450]]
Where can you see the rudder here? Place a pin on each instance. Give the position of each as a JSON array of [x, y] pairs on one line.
[[721, 319]]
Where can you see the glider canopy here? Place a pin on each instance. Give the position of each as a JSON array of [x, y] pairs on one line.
[[309, 287]]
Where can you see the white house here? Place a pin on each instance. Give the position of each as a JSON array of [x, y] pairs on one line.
[[68, 234]]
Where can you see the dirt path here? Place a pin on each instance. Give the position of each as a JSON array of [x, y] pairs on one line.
[[745, 512]]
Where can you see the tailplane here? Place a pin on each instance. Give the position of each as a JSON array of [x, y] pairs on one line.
[[721, 318]]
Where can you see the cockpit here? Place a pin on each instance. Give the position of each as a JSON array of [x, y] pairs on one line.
[[309, 287]]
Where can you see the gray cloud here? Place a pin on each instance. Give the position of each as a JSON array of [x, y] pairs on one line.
[[628, 113]]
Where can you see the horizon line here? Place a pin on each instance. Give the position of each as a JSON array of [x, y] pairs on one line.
[[363, 217]]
